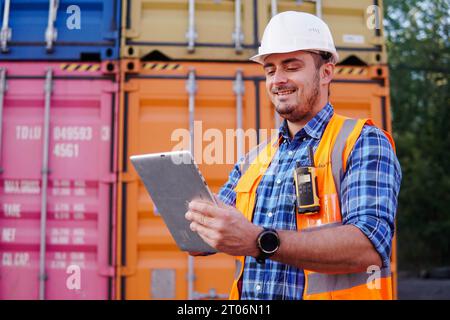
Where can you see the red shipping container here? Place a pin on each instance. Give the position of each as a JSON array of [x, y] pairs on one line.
[[58, 179]]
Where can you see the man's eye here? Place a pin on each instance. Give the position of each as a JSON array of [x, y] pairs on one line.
[[270, 72]]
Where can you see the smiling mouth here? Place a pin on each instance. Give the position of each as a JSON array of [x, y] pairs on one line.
[[285, 92]]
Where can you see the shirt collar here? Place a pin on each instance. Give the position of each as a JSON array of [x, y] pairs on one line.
[[314, 128]]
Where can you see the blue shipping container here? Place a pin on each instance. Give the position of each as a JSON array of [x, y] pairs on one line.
[[87, 30]]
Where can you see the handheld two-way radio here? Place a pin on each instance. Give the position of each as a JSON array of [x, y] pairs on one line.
[[306, 187]]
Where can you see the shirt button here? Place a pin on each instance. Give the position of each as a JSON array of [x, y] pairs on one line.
[[258, 287], [270, 214], [290, 153], [278, 181]]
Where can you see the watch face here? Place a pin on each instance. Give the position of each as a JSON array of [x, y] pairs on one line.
[[269, 242]]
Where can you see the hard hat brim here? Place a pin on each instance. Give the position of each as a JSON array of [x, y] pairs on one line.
[[259, 58]]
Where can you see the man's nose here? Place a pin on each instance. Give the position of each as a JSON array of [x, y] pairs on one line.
[[279, 77]]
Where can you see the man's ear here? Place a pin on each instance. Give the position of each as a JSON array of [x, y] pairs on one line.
[[327, 73]]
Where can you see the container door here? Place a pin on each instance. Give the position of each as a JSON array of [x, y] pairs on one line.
[[61, 29], [189, 29], [159, 109], [56, 215]]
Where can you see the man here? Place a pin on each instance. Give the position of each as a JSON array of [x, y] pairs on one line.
[[281, 252]]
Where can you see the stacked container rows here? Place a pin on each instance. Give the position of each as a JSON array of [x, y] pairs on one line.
[[111, 79]]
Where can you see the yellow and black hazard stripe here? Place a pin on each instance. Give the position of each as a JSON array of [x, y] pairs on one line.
[[352, 71], [80, 67], [162, 66]]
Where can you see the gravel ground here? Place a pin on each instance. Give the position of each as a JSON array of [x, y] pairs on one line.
[[423, 289]]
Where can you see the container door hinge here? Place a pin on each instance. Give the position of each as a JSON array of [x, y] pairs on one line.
[[126, 271], [130, 86]]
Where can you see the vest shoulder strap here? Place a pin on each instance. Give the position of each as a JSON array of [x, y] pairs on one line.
[[343, 146], [253, 153], [337, 152]]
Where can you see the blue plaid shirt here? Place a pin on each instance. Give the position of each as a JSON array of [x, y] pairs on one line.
[[369, 191]]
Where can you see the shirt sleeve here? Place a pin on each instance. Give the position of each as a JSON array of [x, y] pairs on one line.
[[227, 193], [369, 190]]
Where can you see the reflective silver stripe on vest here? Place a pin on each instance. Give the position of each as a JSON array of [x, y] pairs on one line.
[[336, 154], [237, 272], [322, 282], [252, 155]]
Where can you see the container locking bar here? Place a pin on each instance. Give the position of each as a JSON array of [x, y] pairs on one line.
[[274, 6], [51, 33], [318, 8], [45, 172], [191, 34], [238, 36], [212, 294], [191, 88], [2, 101], [239, 91], [5, 33]]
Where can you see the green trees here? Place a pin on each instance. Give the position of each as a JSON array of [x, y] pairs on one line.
[[419, 61]]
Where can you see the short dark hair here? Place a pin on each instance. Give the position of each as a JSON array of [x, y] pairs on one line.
[[320, 58]]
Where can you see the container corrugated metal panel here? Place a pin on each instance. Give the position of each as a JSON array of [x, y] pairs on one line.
[[82, 101], [87, 30], [350, 23], [188, 29], [155, 104], [152, 25]]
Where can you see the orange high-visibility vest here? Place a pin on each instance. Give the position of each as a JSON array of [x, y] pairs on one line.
[[330, 159]]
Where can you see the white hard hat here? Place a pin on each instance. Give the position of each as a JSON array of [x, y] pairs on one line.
[[292, 31]]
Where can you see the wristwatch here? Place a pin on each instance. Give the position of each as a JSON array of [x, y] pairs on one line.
[[268, 243]]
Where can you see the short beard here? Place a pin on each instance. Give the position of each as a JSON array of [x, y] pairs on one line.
[[297, 112]]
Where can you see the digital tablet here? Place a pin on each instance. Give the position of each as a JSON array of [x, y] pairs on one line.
[[172, 180]]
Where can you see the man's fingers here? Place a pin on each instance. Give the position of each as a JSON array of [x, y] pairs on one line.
[[199, 218], [204, 208], [206, 234]]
